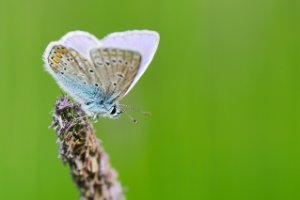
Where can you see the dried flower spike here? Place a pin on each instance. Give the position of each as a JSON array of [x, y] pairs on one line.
[[80, 149]]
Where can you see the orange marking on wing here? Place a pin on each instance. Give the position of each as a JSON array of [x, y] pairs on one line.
[[58, 55], [56, 60]]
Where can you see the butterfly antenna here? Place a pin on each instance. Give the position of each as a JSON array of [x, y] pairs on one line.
[[135, 109], [129, 116]]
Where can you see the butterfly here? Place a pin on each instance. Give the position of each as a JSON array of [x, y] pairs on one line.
[[99, 73]]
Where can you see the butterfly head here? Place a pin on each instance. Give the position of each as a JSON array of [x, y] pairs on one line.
[[102, 108], [114, 111]]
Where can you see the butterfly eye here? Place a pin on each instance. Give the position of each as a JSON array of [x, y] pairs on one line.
[[113, 111]]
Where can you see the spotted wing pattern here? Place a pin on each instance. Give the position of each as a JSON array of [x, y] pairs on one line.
[[143, 41], [75, 74], [116, 68]]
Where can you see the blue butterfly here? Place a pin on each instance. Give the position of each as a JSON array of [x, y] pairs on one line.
[[99, 73]]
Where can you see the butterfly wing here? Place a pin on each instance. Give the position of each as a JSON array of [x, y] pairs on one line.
[[116, 69], [81, 41], [143, 42], [73, 72], [82, 79]]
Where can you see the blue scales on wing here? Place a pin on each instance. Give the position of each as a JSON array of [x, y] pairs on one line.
[[75, 74], [97, 82]]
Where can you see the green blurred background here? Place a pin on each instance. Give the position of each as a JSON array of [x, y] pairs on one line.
[[223, 89]]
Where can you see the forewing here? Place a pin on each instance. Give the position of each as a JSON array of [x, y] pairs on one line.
[[116, 68], [144, 42], [75, 74], [81, 41]]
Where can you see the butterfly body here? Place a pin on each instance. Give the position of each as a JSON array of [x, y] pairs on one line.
[[99, 73]]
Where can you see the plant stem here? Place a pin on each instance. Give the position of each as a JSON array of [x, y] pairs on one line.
[[79, 148]]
